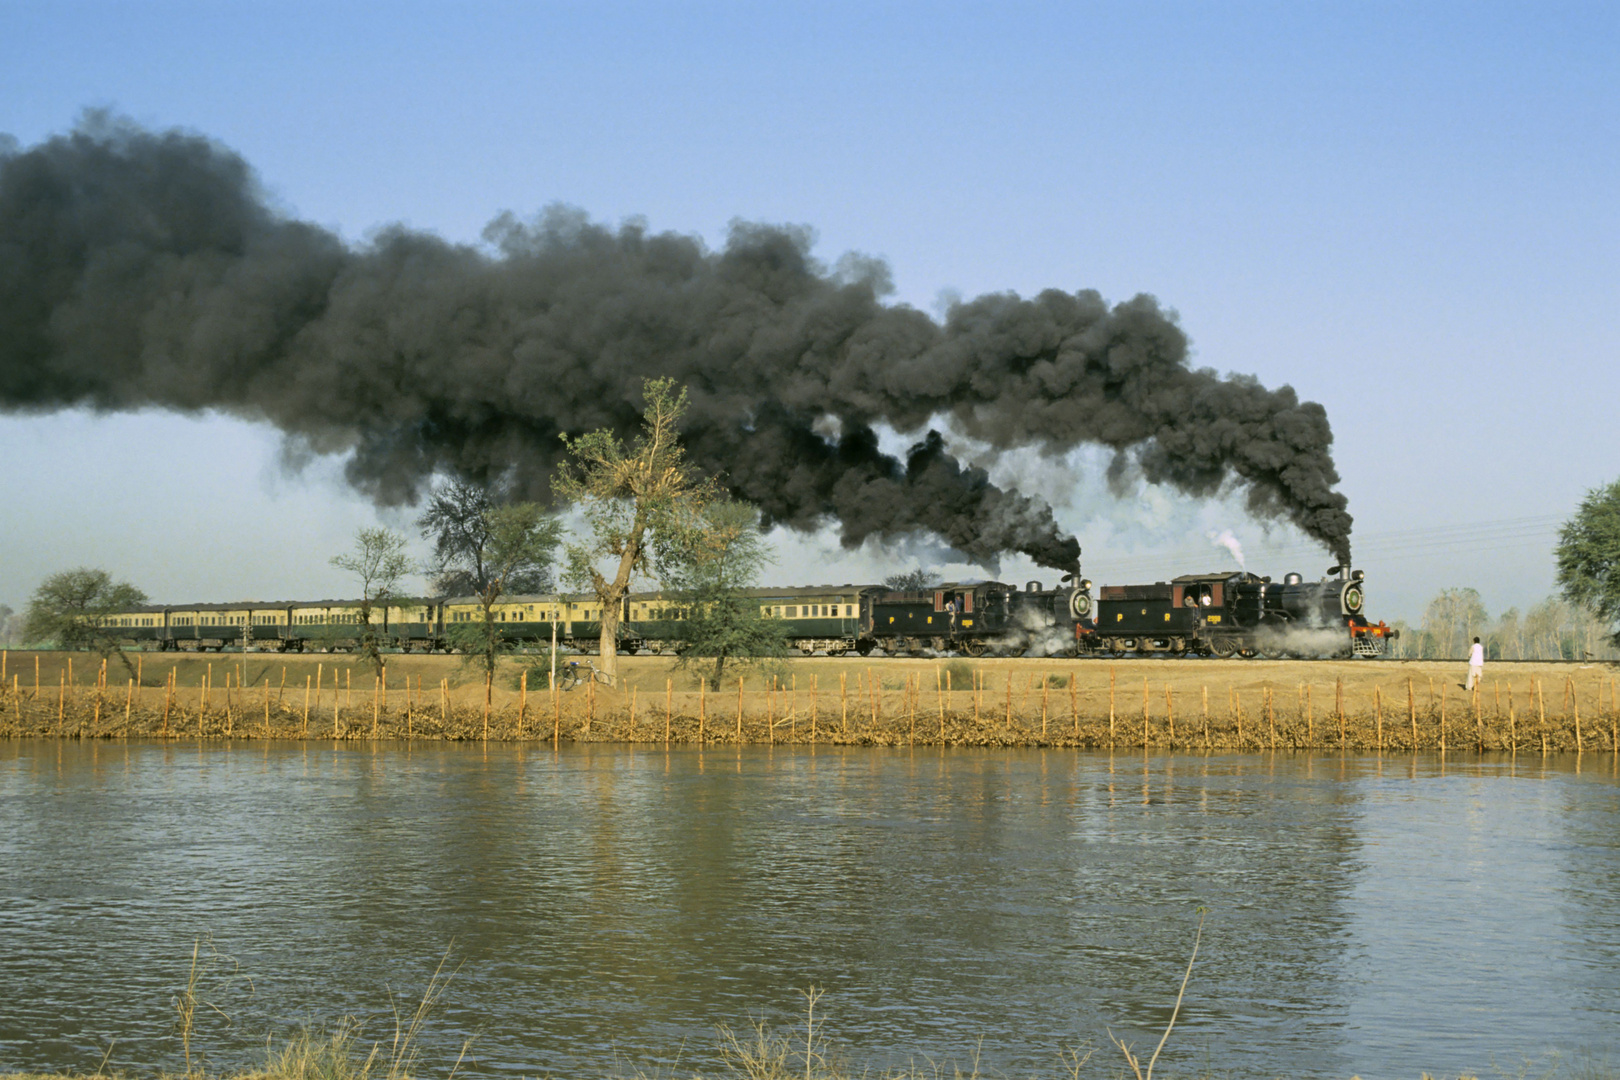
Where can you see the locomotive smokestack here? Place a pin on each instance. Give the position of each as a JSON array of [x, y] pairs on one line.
[[142, 269]]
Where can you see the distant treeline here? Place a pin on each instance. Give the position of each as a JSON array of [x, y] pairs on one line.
[[1554, 629]]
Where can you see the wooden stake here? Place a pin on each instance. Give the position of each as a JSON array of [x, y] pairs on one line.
[[1479, 721], [1411, 710], [669, 705], [336, 730], [129, 702], [304, 731], [1206, 715], [877, 701], [1513, 722], [489, 695], [911, 708], [1338, 706], [739, 709], [1111, 706], [1444, 690], [1271, 719], [843, 698], [1144, 712], [523, 703], [1044, 689], [703, 709], [1575, 708], [1541, 715], [1378, 714], [168, 698], [1310, 715]]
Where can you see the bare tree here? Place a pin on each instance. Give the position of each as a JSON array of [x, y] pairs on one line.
[[628, 495], [380, 562]]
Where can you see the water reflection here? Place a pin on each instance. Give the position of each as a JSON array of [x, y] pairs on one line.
[[1366, 915]]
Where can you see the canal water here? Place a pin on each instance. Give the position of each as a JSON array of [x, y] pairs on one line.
[[603, 908]]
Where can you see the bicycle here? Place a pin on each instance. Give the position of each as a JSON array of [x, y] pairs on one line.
[[572, 675]]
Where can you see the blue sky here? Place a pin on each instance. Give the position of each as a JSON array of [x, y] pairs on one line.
[[1408, 212]]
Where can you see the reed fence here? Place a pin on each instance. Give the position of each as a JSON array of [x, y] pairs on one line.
[[1038, 706]]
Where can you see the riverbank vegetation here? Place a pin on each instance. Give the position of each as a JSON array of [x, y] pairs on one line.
[[758, 1052], [1183, 705]]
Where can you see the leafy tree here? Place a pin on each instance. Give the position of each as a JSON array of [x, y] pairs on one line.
[[456, 519], [68, 608], [630, 495], [516, 543], [911, 581], [1589, 557], [710, 572], [380, 562]]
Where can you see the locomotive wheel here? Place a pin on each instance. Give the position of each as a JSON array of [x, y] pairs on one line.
[[1272, 654], [864, 648], [1222, 647], [1116, 646], [1247, 654], [974, 649]]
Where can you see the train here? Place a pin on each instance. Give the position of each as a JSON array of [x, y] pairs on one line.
[[1219, 614]]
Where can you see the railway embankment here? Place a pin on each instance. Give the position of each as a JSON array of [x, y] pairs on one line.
[[1156, 704]]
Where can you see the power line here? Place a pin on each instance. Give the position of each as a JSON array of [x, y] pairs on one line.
[[1395, 544]]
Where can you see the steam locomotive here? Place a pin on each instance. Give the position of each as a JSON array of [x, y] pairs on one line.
[[1218, 614], [1236, 615]]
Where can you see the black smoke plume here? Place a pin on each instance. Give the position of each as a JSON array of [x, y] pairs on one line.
[[146, 269]]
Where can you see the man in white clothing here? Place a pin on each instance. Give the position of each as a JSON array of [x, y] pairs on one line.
[[1476, 664]]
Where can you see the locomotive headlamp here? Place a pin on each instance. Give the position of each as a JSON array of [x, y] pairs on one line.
[[1357, 575]]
